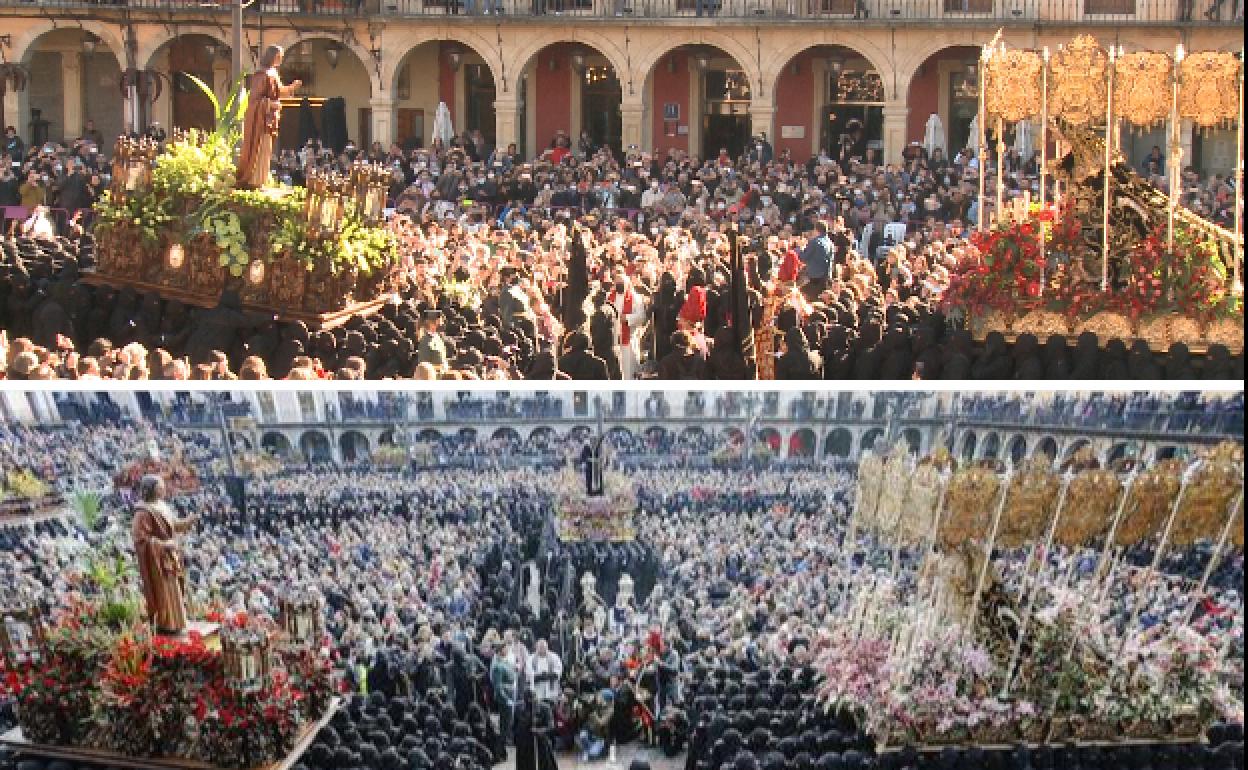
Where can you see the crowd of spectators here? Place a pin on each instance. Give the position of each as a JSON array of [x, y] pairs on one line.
[[445, 590], [584, 264], [1182, 412]]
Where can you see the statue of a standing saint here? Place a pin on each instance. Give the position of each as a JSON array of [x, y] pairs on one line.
[[592, 464], [155, 531], [263, 119]]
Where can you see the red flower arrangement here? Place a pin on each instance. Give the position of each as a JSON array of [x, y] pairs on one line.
[[144, 695], [179, 477], [1004, 272]]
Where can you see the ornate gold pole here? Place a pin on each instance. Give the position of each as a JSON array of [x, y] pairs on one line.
[[1175, 160], [988, 548], [1136, 604], [1031, 591], [1237, 507], [1044, 157], [999, 213], [982, 149], [1236, 284], [1107, 180]]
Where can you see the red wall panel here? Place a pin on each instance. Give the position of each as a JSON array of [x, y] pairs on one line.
[[553, 110], [671, 87], [795, 95]]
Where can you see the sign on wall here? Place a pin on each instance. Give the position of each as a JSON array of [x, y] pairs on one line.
[[792, 132]]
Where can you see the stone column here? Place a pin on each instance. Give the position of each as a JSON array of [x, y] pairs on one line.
[[15, 113], [895, 116], [71, 81], [382, 127], [763, 120], [632, 120], [507, 126]]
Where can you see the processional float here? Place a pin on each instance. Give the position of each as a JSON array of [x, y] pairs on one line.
[[1083, 96]]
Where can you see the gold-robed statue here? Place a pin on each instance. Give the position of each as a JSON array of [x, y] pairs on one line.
[[155, 532], [263, 119]]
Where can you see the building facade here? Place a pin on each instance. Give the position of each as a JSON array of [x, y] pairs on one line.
[[346, 426], [691, 75]]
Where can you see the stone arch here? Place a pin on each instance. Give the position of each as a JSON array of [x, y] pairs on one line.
[[387, 437], [780, 58], [772, 438], [869, 439], [691, 435], [1118, 451], [602, 44], [430, 436], [149, 48], [1016, 449], [914, 439], [621, 433], [315, 446], [924, 85], [969, 442], [409, 41], [838, 443], [1046, 446], [506, 433], [580, 433], [276, 443], [912, 59], [354, 446], [466, 434], [802, 443], [543, 436], [646, 63], [1166, 452], [991, 448], [656, 435], [1075, 446], [291, 38], [25, 42]]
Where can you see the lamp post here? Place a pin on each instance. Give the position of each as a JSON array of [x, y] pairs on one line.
[[218, 400], [236, 38]]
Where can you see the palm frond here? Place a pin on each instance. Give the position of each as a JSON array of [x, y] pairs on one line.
[[207, 91]]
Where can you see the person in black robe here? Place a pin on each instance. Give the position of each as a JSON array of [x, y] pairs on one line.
[[666, 308], [535, 723]]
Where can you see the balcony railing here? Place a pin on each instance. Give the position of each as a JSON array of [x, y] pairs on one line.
[[1063, 12]]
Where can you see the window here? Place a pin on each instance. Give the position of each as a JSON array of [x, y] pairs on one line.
[[580, 403], [307, 405], [968, 6], [1107, 7]]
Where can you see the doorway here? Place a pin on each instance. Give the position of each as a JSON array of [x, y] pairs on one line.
[[726, 119], [191, 107], [731, 132], [479, 104], [601, 97]]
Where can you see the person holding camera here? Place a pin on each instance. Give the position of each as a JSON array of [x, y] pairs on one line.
[[34, 191]]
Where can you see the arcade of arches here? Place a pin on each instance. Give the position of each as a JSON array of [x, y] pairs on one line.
[[686, 85]]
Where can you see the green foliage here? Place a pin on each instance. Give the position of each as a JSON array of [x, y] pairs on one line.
[[227, 118], [87, 505], [192, 194], [120, 613]]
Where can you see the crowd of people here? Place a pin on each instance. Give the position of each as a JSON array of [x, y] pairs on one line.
[[585, 264], [465, 632], [1187, 412]]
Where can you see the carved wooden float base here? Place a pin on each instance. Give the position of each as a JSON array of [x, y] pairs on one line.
[[15, 740], [314, 321], [1160, 332]]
